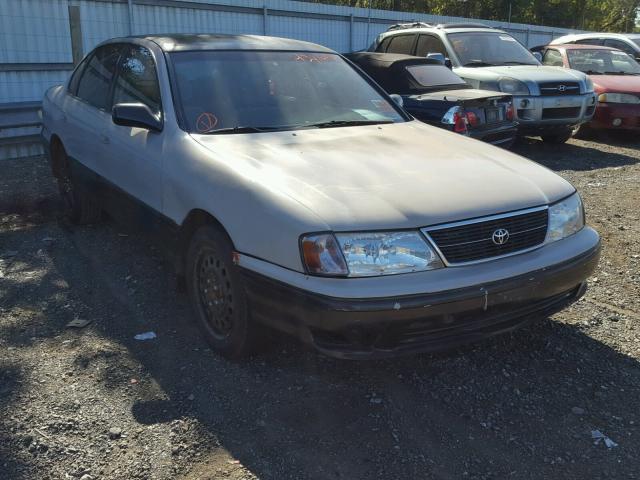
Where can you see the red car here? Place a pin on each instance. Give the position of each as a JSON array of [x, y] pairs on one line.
[[616, 80]]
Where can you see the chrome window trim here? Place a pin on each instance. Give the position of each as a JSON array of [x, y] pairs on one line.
[[425, 231]]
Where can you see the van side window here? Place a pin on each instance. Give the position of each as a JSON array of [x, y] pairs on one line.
[[589, 41], [96, 78], [401, 44], [429, 44], [553, 58], [137, 80]]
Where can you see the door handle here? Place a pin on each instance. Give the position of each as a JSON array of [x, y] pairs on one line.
[[104, 139]]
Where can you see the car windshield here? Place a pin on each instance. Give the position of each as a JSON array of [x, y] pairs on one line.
[[601, 62], [433, 75], [239, 91], [482, 49]]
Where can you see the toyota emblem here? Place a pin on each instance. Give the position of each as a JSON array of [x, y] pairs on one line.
[[500, 236]]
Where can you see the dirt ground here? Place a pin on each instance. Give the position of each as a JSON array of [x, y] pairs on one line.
[[94, 403]]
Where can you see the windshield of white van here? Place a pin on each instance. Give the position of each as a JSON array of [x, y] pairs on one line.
[[254, 91], [486, 49]]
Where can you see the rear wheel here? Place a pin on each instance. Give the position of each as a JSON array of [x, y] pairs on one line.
[[557, 138], [80, 206], [217, 294]]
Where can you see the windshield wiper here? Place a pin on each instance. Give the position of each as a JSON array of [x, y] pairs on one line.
[[242, 129], [517, 63], [479, 63], [346, 123]]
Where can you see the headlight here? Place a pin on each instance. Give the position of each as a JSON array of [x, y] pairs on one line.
[[618, 98], [368, 254], [589, 85], [513, 86], [565, 218]]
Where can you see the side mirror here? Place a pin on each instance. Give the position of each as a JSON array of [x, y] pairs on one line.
[[135, 115], [397, 99], [538, 56], [436, 56]]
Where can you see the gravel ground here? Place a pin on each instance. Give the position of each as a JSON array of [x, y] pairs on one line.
[[93, 403]]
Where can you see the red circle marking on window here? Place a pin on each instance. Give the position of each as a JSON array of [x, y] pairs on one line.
[[206, 121]]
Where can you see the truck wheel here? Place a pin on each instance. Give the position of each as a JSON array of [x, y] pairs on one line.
[[217, 294], [80, 206], [557, 138]]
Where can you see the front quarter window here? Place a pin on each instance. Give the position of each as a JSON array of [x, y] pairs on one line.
[[219, 90]]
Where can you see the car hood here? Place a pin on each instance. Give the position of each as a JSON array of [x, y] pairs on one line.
[[458, 95], [525, 73], [616, 83], [403, 175]]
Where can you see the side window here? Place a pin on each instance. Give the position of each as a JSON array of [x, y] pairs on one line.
[[137, 80], [553, 58], [77, 74], [589, 41], [384, 44], [401, 44], [620, 45], [95, 81], [430, 44]]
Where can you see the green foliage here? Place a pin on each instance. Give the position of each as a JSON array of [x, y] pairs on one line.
[[597, 15]]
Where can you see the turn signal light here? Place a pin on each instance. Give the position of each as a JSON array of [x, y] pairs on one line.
[[510, 114]]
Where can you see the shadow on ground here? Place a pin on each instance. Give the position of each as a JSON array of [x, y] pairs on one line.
[[496, 410]]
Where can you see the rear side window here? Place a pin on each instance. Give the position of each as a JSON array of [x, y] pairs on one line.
[[401, 44], [77, 74], [589, 41], [620, 45], [384, 44], [137, 80], [553, 58], [96, 78], [428, 44]]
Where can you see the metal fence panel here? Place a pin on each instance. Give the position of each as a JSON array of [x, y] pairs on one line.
[[35, 35]]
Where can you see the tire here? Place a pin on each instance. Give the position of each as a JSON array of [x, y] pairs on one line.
[[583, 131], [212, 277], [79, 205], [557, 138]]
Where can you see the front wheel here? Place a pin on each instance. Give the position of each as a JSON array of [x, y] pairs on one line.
[[217, 294], [557, 138]]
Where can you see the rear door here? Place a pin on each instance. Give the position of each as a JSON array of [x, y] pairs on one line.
[[135, 166], [403, 43], [87, 109]]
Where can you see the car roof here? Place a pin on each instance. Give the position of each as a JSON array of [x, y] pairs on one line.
[[401, 31], [207, 41], [579, 46], [579, 36]]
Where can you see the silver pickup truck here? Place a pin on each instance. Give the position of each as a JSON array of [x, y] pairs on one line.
[[549, 101]]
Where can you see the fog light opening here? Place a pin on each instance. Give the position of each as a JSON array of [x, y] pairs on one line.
[[524, 103]]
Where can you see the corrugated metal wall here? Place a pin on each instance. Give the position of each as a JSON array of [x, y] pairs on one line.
[[36, 49]]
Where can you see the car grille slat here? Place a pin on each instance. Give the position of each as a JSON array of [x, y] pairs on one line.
[[473, 241], [548, 89]]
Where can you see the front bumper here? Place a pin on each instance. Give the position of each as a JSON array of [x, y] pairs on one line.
[[606, 114], [357, 328], [535, 113]]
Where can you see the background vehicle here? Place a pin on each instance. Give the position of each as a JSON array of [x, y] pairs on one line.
[[435, 95], [616, 79], [294, 193], [549, 102], [629, 43]]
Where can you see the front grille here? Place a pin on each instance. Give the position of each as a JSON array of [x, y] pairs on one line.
[[559, 88], [472, 241], [570, 112]]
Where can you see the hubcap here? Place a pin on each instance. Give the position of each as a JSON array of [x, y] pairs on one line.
[[214, 289]]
